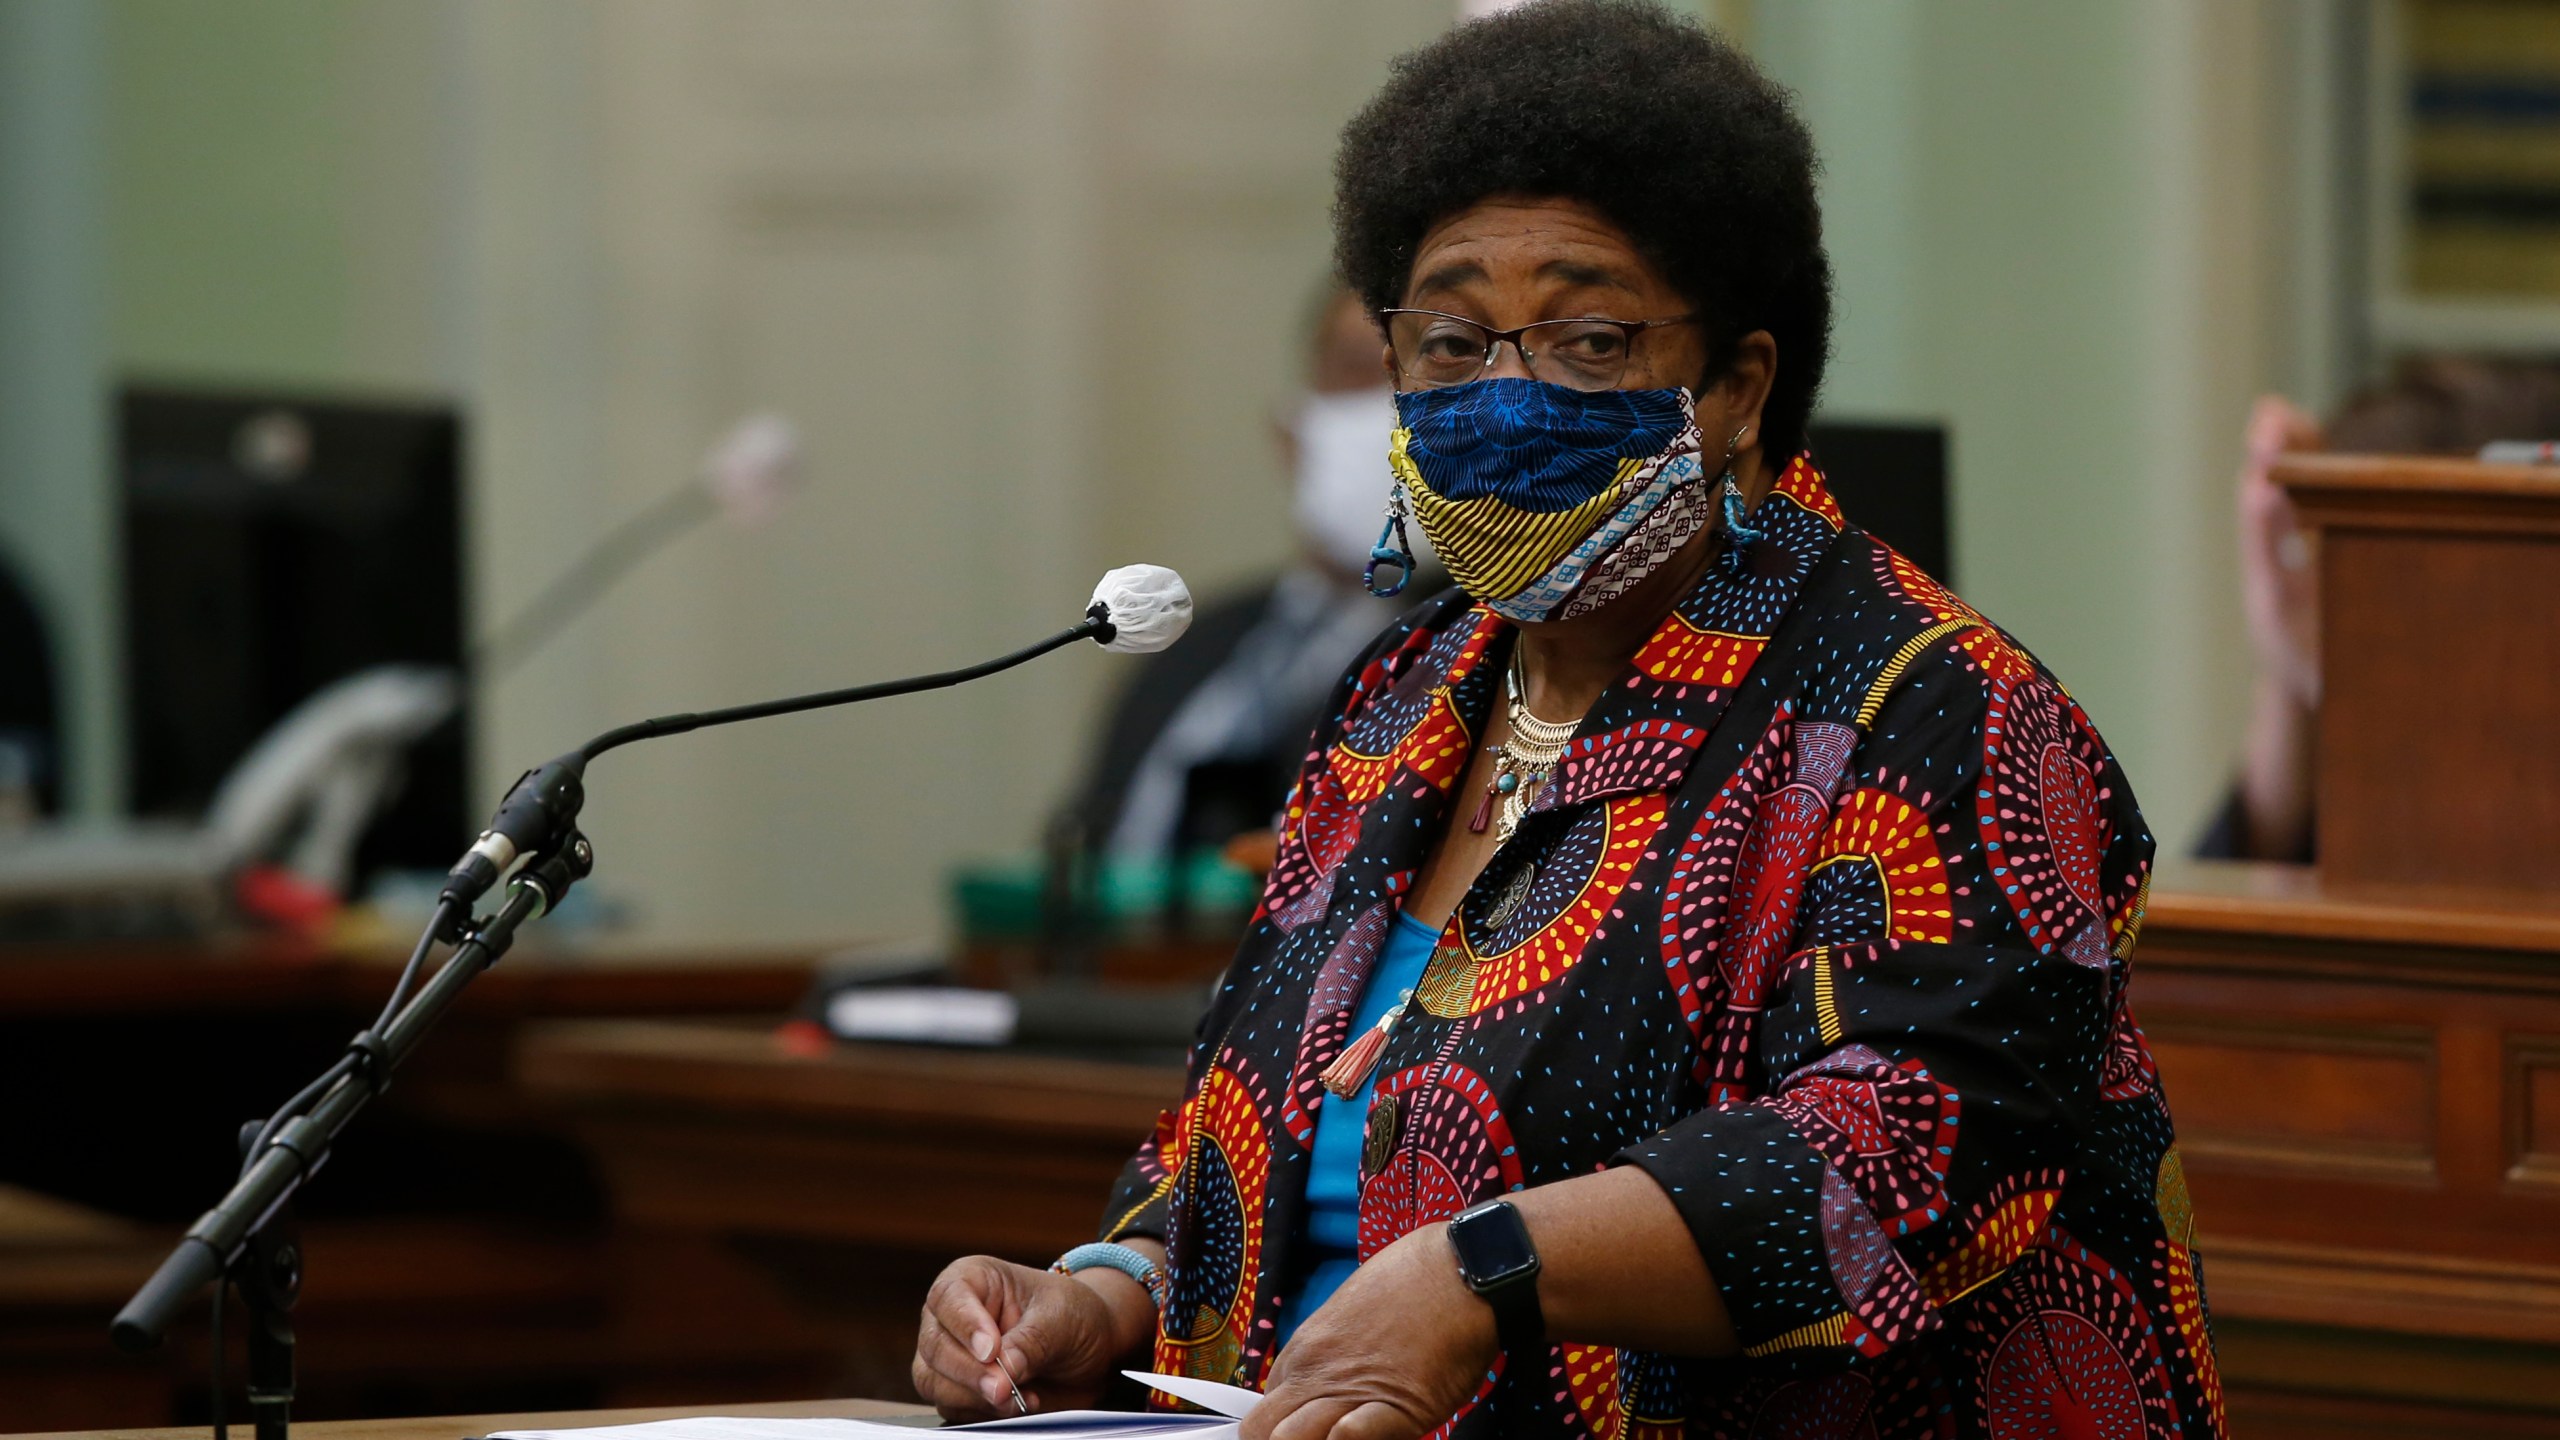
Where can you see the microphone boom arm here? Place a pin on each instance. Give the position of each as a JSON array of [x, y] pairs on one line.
[[1096, 626], [545, 801], [538, 819]]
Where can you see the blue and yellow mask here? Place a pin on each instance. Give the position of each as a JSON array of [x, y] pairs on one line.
[[1547, 502]]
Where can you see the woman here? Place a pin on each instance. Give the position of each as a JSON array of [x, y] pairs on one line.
[[1689, 998]]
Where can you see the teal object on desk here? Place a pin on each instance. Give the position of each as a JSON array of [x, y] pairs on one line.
[[1001, 899]]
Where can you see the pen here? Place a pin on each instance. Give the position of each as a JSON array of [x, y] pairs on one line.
[[1010, 1385]]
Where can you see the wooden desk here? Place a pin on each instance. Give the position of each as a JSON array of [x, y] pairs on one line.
[[851, 1177], [715, 1127], [460, 1250], [2367, 1092], [250, 972], [454, 1427]]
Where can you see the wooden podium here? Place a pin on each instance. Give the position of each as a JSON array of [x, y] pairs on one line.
[[2364, 1058], [2440, 657], [2367, 1096]]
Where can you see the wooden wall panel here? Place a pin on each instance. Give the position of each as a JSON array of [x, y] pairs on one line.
[[2310, 1115], [2346, 1102], [792, 54], [2387, 1085], [2533, 1106], [2367, 1095], [1027, 276]]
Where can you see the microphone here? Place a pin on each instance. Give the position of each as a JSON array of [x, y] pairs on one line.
[[1135, 610], [1147, 606]]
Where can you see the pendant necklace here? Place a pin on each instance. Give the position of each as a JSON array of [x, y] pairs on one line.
[[1523, 763]]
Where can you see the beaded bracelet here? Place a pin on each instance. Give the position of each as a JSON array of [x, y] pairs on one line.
[[1100, 1256]]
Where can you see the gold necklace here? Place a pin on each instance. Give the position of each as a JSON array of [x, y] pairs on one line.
[[1523, 763]]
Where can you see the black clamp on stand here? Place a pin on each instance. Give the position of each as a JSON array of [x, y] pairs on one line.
[[268, 1277]]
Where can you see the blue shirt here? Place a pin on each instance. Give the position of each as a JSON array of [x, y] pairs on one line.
[[1333, 1167]]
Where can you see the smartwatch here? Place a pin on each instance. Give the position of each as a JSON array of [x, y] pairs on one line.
[[1497, 1261]]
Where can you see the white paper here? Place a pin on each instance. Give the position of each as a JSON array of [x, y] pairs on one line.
[[1233, 1401], [943, 1015], [1081, 1424], [1230, 1402]]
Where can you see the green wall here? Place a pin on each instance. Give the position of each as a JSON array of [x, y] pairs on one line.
[[283, 203], [2031, 207], [2022, 203], [256, 193], [54, 521]]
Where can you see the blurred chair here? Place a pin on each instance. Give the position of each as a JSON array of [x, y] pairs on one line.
[[302, 797]]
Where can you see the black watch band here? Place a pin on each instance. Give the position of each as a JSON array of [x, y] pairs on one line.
[[1497, 1261]]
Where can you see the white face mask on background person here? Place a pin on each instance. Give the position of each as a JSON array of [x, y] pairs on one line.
[[1340, 499]]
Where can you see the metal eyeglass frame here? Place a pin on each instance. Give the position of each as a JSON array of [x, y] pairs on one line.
[[1495, 339]]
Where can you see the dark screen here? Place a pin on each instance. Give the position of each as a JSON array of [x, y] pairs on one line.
[[1891, 481], [272, 546]]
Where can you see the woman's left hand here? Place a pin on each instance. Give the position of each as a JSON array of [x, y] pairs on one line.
[[1394, 1353]]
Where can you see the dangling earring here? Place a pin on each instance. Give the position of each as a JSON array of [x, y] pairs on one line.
[[1400, 556], [1737, 523]]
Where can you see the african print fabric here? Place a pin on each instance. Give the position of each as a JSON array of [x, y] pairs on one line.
[[1546, 501], [1824, 922]]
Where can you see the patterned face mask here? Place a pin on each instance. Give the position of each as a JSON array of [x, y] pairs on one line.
[[1547, 502]]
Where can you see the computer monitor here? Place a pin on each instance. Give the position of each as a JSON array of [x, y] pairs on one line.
[[273, 544], [1891, 481]]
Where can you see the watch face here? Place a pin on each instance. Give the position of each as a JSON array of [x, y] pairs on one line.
[[1492, 1245]]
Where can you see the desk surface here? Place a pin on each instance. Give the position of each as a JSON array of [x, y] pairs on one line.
[[2291, 902], [453, 1427], [990, 1094], [251, 972]]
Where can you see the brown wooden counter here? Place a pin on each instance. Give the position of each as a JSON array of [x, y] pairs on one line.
[[253, 971], [849, 1177], [2439, 666], [460, 1251], [2366, 1085], [951, 1151]]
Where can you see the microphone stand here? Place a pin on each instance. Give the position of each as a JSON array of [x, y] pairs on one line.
[[247, 1240]]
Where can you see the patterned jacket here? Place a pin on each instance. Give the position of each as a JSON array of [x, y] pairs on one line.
[[1824, 921]]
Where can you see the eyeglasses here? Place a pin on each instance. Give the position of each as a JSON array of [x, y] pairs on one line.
[[1434, 350]]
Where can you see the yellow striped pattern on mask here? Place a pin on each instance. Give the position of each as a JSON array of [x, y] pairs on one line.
[[1493, 549]]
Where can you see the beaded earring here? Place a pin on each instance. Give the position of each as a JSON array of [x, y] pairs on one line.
[[1400, 555], [1737, 522]]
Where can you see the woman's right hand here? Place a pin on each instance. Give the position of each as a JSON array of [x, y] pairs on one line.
[[1060, 1337]]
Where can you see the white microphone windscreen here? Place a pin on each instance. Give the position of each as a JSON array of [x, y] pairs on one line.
[[1149, 607]]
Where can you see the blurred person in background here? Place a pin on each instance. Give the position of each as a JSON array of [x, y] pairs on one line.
[[1644, 919], [2438, 405], [1201, 745]]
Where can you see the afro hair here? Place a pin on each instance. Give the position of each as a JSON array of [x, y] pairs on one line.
[[1652, 120]]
